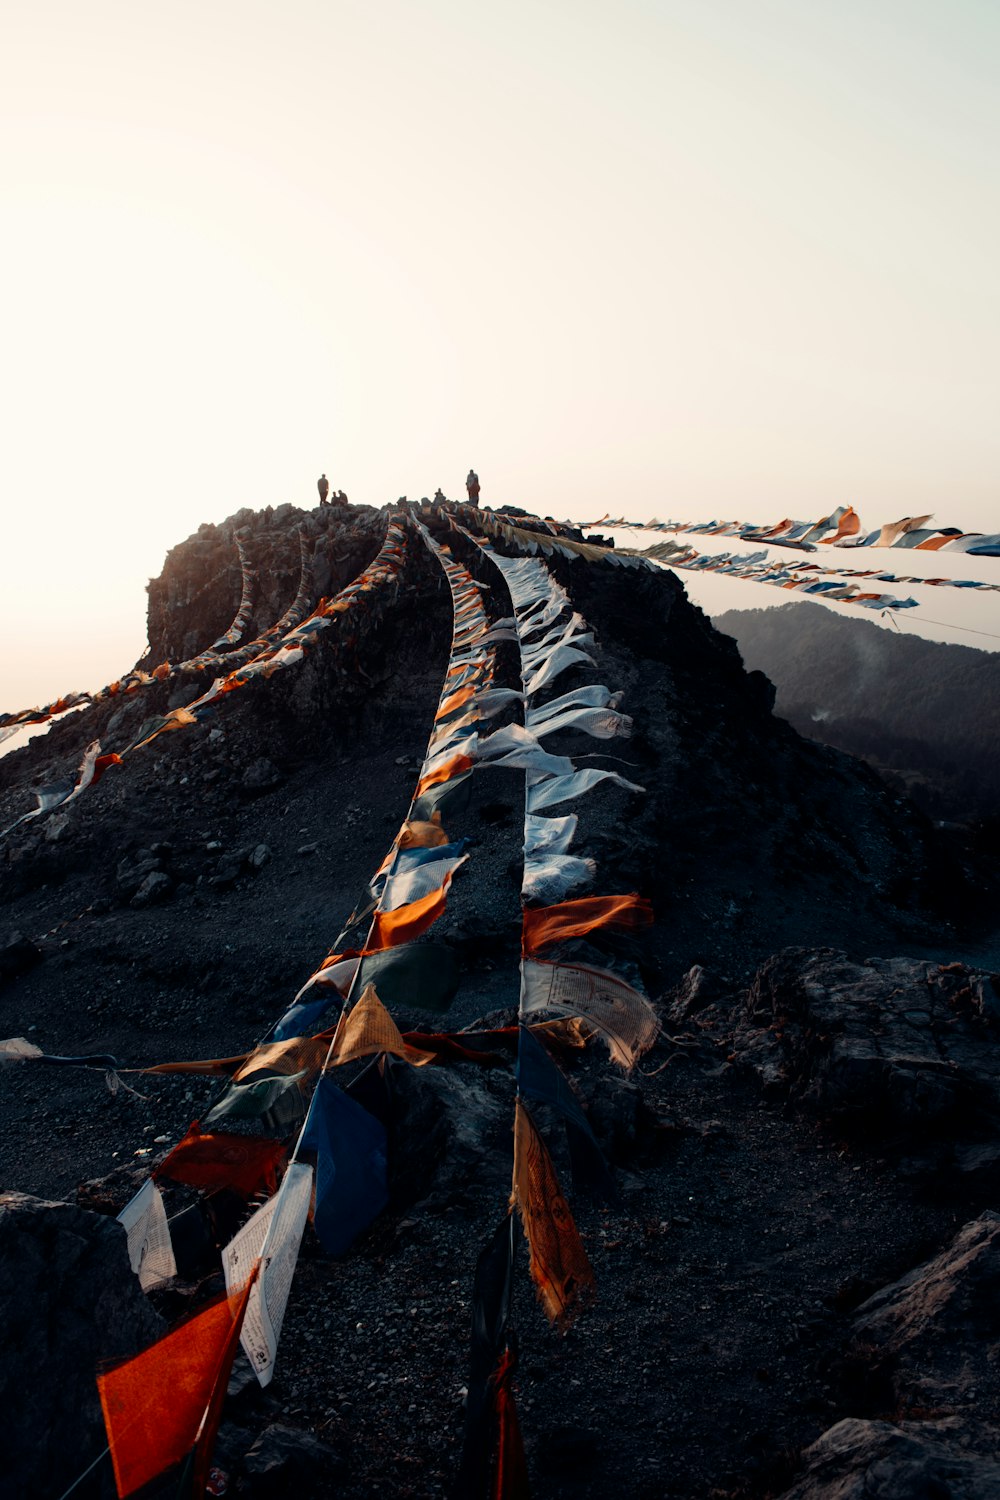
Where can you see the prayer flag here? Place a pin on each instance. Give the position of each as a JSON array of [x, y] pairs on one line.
[[245, 1164], [166, 1401], [351, 1166], [552, 924], [369, 1028], [270, 1239], [558, 1262], [625, 1019]]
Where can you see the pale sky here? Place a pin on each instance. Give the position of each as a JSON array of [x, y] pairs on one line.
[[690, 257]]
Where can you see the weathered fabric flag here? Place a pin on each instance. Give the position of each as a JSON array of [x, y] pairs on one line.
[[543, 925], [351, 1166], [625, 1019], [164, 1404], [558, 1262], [212, 1160]]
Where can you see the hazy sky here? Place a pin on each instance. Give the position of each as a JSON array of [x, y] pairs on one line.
[[693, 256]]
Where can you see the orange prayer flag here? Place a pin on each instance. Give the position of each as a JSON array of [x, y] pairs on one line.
[[454, 700], [370, 1029], [165, 1402], [550, 924], [297, 1054], [935, 543], [558, 1262], [849, 525], [445, 772], [391, 928], [162, 671], [101, 764], [215, 1159]]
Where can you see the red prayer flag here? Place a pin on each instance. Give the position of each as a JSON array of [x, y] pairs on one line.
[[215, 1159], [166, 1402]]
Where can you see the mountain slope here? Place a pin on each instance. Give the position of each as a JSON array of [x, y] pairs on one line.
[[927, 711]]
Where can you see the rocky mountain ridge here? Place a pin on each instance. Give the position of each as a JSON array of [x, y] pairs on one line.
[[810, 1128]]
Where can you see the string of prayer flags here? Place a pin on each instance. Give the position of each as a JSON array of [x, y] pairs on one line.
[[230, 636], [213, 1160], [351, 1148], [544, 925], [270, 1240], [844, 523], [260, 658], [136, 678], [164, 1404], [558, 1262]]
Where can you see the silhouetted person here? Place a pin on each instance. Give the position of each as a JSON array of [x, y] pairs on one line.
[[439, 496], [323, 485], [341, 498], [472, 485]]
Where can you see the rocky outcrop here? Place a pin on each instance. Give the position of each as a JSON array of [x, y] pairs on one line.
[[859, 1460], [906, 1046], [69, 1298], [939, 1326]]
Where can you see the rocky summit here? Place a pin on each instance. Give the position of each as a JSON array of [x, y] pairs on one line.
[[796, 1270]]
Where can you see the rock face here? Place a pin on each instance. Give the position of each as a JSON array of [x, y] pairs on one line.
[[933, 1340], [69, 1298], [940, 1325], [901, 1044], [863, 1460]]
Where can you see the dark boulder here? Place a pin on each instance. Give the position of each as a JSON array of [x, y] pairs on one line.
[[69, 1299], [858, 1460], [900, 1044], [17, 955], [287, 1461], [940, 1324]]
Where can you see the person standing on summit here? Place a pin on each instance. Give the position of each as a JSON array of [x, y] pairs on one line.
[[323, 485], [472, 485]]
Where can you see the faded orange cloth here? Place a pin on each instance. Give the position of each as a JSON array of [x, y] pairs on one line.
[[297, 1054], [290, 1056], [451, 768], [215, 1159], [369, 1029], [934, 543], [558, 1262], [550, 924], [166, 1402], [391, 929], [849, 525], [454, 700], [101, 764]]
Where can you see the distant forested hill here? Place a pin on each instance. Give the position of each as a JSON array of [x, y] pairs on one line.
[[927, 713]]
